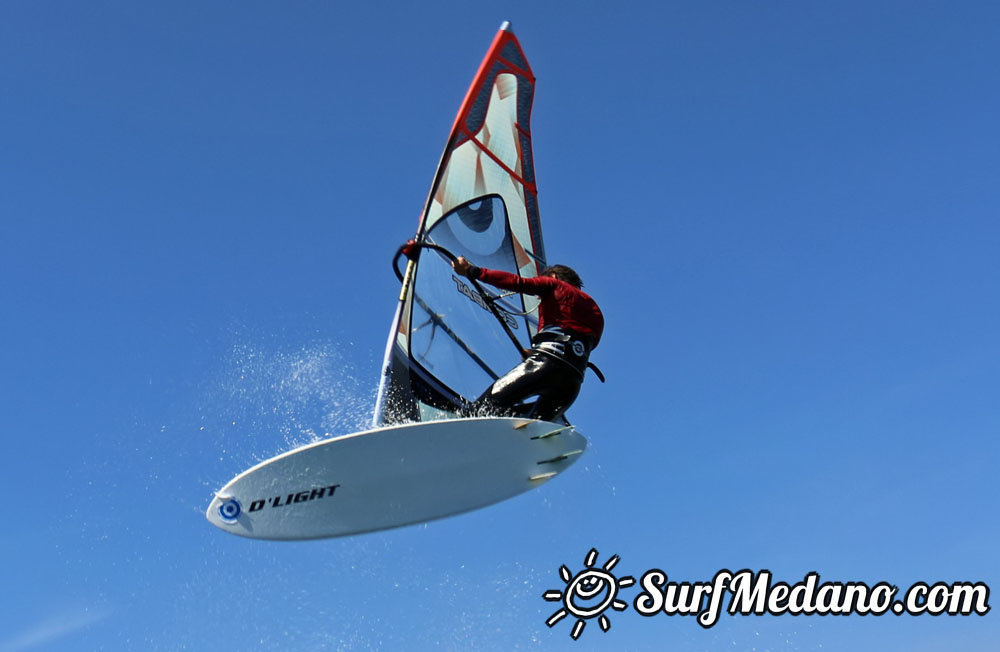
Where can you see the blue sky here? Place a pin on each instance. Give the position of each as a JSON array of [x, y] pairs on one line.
[[787, 211]]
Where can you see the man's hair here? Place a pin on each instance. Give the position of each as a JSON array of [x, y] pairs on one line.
[[564, 273]]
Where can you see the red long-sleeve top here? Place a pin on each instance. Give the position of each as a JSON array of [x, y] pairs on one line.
[[561, 304]]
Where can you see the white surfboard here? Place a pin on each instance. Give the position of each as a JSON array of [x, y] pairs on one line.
[[393, 476]]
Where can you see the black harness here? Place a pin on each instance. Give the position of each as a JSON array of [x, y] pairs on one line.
[[566, 346]]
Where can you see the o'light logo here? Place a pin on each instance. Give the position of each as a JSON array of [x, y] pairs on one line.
[[588, 594]]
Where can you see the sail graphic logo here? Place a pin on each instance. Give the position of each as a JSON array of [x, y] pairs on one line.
[[480, 301], [588, 594]]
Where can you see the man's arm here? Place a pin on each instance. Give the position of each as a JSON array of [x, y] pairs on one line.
[[505, 280]]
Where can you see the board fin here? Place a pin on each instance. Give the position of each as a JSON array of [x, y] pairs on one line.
[[560, 458], [552, 433]]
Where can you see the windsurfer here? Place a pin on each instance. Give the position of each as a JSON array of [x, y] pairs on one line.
[[570, 325]]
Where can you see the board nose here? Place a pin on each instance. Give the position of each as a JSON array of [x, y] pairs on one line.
[[223, 511]]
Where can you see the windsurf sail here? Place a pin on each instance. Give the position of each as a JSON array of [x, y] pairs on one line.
[[450, 339]]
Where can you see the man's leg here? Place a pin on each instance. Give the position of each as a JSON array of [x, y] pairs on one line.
[[510, 389], [557, 398], [555, 383]]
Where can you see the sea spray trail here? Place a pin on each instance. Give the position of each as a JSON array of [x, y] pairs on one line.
[[269, 398]]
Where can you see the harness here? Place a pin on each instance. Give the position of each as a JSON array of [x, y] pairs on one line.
[[566, 346]]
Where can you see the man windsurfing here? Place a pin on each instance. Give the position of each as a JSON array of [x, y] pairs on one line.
[[570, 325]]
